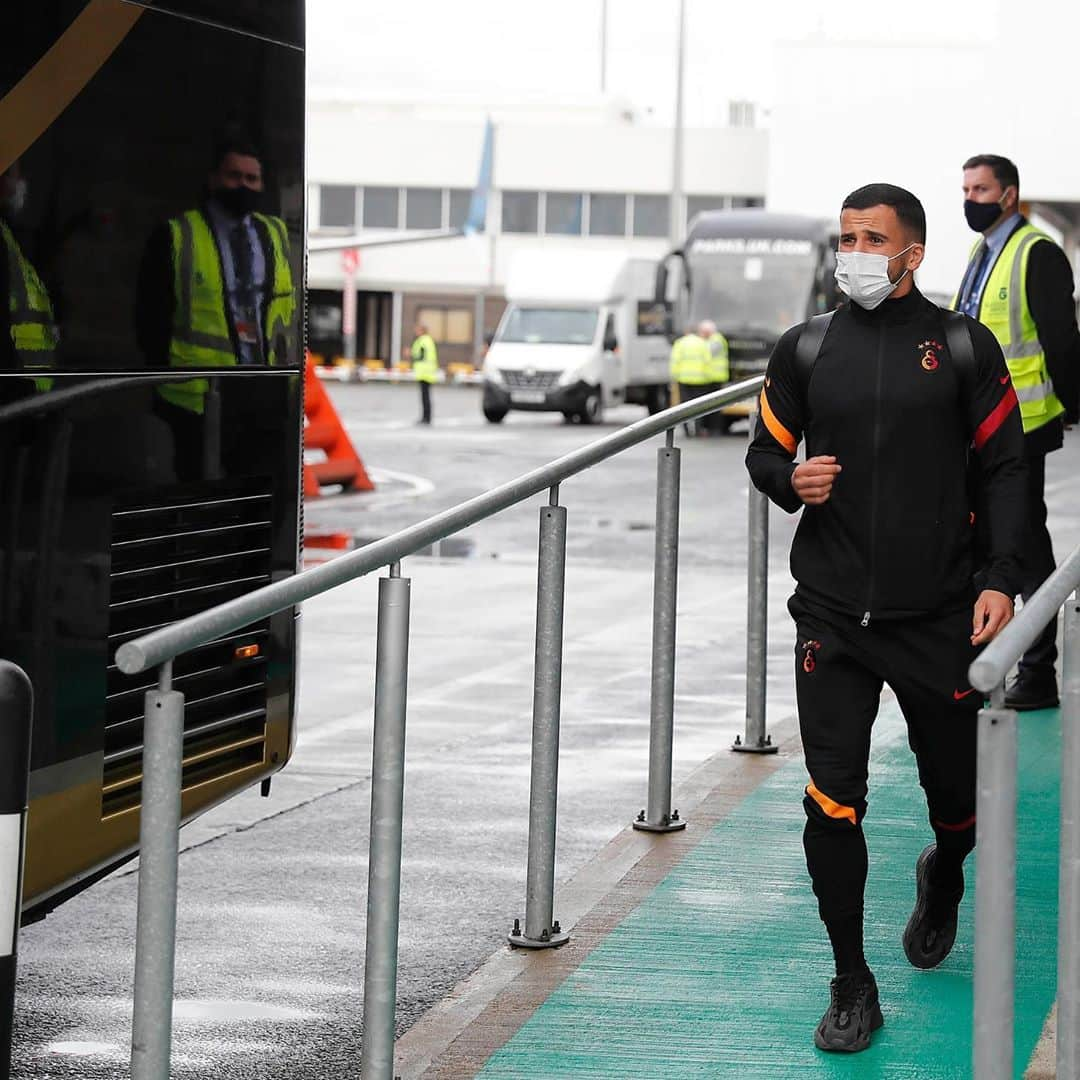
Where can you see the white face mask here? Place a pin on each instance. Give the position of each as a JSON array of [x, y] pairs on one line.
[[864, 276]]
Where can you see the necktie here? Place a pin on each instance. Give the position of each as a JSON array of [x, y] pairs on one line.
[[969, 302], [245, 309]]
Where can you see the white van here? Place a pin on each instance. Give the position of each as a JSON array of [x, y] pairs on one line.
[[581, 332]]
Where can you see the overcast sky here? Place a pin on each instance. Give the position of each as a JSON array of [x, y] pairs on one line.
[[502, 50]]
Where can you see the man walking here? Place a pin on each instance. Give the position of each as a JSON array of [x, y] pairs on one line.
[[1019, 283], [883, 560]]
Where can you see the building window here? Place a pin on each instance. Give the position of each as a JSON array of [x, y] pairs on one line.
[[743, 201], [651, 216], [520, 211], [701, 204], [337, 206], [380, 208], [448, 326], [423, 208], [562, 213], [607, 215], [459, 207]]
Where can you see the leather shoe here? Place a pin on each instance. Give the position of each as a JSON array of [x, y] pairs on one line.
[[1025, 694]]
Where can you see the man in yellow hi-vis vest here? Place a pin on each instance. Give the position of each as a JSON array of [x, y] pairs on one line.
[[690, 366], [425, 365], [28, 330], [719, 371], [216, 291], [1019, 283]]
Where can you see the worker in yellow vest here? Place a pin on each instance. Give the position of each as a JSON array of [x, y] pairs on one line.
[[1019, 283], [425, 363], [718, 370], [216, 291], [690, 366], [28, 330]]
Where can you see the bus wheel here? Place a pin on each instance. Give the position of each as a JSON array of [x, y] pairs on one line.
[[592, 412], [494, 416], [659, 398]]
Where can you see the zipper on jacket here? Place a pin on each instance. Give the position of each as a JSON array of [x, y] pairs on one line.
[[874, 476]]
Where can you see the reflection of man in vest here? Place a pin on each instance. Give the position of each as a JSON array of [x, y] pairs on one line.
[[215, 291], [1019, 283], [425, 364], [28, 330]]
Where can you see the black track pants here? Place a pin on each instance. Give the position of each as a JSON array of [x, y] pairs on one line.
[[840, 667]]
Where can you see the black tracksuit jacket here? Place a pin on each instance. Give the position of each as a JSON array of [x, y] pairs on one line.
[[896, 538]]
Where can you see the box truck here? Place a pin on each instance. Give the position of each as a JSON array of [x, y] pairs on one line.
[[581, 332]]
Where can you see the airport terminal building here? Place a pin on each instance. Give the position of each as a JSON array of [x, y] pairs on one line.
[[577, 176]]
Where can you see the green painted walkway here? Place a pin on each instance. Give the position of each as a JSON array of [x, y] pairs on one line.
[[723, 970]]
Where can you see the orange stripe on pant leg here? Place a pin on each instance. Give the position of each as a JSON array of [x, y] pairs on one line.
[[833, 809], [776, 429]]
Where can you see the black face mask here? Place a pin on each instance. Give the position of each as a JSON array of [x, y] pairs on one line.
[[238, 201], [980, 216]]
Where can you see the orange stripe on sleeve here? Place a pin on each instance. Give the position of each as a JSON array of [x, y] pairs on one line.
[[776, 429], [833, 809]]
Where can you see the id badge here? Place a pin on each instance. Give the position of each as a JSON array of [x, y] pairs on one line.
[[247, 333]]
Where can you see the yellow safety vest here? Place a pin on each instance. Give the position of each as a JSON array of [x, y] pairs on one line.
[[1003, 309], [719, 370], [425, 359], [691, 361], [34, 332], [201, 335]]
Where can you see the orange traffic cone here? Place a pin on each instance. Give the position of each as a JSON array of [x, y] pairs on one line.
[[324, 431]]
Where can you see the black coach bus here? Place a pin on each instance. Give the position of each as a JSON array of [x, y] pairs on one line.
[[133, 495], [754, 273]]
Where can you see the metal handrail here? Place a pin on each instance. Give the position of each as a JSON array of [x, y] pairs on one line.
[[994, 662], [162, 645], [996, 825]]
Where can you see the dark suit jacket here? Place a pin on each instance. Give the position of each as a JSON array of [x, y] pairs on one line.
[[1050, 298]]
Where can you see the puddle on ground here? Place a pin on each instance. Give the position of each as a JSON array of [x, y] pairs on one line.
[[226, 1009]]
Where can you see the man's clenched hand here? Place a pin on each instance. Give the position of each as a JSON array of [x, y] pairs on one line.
[[813, 479], [993, 610]]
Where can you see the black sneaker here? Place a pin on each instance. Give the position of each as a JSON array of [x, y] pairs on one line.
[[931, 930], [1026, 693], [853, 1015]]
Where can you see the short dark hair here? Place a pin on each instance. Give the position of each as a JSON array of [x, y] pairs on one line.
[[908, 208], [1005, 172], [234, 140]]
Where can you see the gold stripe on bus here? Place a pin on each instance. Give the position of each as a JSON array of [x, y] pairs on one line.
[[54, 82]]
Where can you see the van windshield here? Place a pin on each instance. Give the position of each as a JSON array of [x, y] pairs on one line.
[[550, 326]]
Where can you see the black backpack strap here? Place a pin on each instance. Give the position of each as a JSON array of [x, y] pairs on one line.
[[808, 346], [961, 349]]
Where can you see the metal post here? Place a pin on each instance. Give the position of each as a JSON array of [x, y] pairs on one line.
[[660, 817], [540, 931], [757, 619], [1068, 987], [995, 894], [384, 855], [159, 838], [16, 715], [677, 222]]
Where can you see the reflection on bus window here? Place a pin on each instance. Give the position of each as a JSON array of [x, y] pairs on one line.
[[28, 330]]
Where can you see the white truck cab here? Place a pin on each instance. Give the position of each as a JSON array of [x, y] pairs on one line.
[[581, 332]]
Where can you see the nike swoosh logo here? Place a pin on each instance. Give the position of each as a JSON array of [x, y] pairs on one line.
[[958, 695], [1003, 380]]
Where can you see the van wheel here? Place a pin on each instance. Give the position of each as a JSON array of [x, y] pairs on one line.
[[494, 416], [658, 399], [592, 412]]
